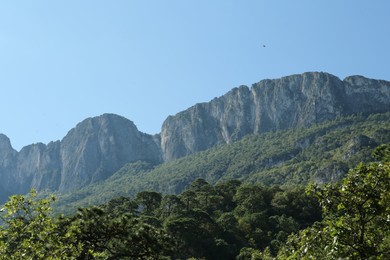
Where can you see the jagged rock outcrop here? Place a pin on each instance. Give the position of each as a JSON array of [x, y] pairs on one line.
[[90, 152], [292, 101]]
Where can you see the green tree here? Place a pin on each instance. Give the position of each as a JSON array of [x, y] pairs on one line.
[[250, 198], [382, 153], [207, 198], [121, 205], [230, 232], [149, 201], [171, 205], [248, 253], [294, 202], [196, 235], [188, 197], [118, 236], [356, 218], [29, 231], [227, 190]]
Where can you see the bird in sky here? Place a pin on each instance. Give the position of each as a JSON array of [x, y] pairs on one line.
[[264, 46]]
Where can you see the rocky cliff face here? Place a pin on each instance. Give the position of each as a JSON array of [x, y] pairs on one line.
[[99, 146], [366, 95], [293, 101], [92, 151], [7, 164]]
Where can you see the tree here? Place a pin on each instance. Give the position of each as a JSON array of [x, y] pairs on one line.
[[250, 198], [207, 198], [188, 197], [118, 236], [121, 205], [29, 231], [195, 235], [382, 153], [247, 253], [227, 190], [230, 232], [171, 205], [149, 201], [356, 218], [293, 202]]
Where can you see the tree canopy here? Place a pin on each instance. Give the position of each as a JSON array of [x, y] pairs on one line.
[[356, 222]]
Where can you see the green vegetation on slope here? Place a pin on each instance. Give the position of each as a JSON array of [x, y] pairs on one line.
[[321, 153], [212, 222], [348, 219], [356, 213]]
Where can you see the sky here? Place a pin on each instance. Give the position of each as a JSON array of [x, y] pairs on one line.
[[64, 61]]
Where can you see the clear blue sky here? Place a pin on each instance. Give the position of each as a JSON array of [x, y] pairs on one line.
[[64, 61]]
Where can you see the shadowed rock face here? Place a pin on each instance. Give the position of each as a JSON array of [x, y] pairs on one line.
[[293, 101], [99, 146]]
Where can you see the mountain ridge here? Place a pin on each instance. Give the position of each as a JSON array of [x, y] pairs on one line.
[[321, 153], [97, 147], [291, 101]]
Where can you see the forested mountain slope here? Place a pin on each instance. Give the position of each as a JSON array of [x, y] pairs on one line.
[[321, 153], [348, 219]]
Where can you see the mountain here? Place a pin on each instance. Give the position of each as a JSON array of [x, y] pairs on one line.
[[90, 152], [270, 105], [98, 147], [320, 153]]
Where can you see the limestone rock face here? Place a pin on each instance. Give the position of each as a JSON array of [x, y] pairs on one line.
[[7, 165], [90, 152], [366, 95], [97, 147], [38, 166], [288, 102], [47, 166]]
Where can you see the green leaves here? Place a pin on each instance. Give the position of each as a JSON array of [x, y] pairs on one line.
[[382, 153], [356, 218], [29, 232], [117, 233]]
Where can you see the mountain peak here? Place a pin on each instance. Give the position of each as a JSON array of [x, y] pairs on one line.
[[99, 146], [5, 143]]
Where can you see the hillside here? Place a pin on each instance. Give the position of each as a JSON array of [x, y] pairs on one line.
[[321, 153]]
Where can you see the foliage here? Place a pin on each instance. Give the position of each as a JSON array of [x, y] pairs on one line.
[[356, 221], [204, 221], [29, 232], [117, 234], [230, 220]]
